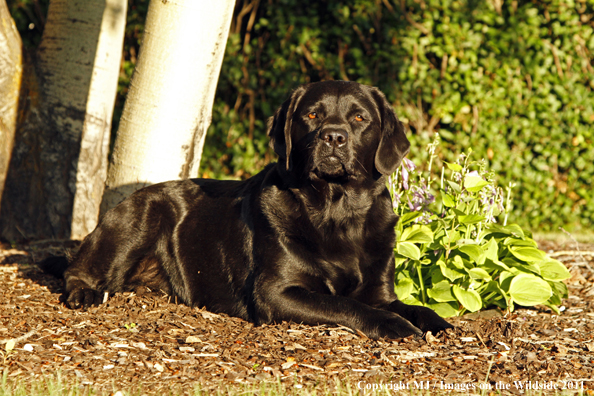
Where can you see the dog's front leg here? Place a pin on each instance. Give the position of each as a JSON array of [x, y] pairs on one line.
[[300, 305]]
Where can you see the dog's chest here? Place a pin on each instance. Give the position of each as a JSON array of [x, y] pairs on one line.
[[342, 278], [337, 252], [334, 227]]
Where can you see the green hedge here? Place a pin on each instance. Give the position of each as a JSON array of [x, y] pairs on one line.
[[514, 83], [511, 79]]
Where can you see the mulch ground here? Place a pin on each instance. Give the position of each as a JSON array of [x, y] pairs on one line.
[[148, 344]]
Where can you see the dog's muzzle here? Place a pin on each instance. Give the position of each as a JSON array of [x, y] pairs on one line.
[[332, 153]]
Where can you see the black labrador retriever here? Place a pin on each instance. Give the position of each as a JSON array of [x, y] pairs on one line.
[[309, 239]]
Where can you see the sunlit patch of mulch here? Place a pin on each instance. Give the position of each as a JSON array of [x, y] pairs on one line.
[[151, 343]]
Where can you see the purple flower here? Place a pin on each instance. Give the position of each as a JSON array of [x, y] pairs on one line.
[[404, 178], [418, 195], [424, 218], [392, 183], [409, 164], [414, 206], [396, 200]]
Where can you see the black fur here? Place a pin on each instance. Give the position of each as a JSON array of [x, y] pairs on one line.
[[309, 239]]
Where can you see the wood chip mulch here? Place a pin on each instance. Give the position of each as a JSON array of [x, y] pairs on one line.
[[148, 344]]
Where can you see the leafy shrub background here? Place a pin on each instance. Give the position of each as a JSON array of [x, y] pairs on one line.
[[511, 79]]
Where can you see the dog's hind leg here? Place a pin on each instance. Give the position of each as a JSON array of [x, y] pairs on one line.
[[113, 254]]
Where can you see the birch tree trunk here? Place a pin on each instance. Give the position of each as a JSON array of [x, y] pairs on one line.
[[58, 166], [11, 69], [169, 105]]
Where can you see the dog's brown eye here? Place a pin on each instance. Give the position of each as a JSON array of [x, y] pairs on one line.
[[312, 115], [358, 117]]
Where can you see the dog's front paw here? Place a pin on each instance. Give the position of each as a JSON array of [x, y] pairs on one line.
[[422, 317], [427, 320], [390, 325], [83, 297]]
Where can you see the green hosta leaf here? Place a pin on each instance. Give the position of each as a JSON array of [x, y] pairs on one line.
[[436, 275], [479, 273], [526, 289], [470, 219], [454, 186], [451, 238], [512, 229], [470, 299], [454, 167], [491, 250], [520, 265], [559, 289], [519, 242], [474, 285], [445, 310], [459, 211], [494, 265], [441, 292], [417, 234], [559, 292], [447, 199], [408, 218], [456, 262], [404, 288], [398, 261], [553, 307], [528, 254], [411, 300], [515, 229], [450, 273], [474, 252], [493, 286], [474, 183], [553, 270], [555, 299], [408, 249], [506, 277], [532, 267]]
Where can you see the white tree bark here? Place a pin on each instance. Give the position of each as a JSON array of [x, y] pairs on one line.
[[169, 105], [94, 144], [11, 70], [59, 162]]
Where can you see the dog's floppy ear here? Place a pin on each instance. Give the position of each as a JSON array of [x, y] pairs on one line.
[[279, 128], [393, 145]]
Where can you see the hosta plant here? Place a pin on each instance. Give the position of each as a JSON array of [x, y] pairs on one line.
[[455, 251]]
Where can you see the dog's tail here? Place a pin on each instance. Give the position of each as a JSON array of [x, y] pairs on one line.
[[54, 265]]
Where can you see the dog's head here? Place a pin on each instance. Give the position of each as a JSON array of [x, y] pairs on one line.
[[337, 131]]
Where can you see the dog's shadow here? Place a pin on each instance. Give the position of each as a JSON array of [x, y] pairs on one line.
[[27, 257]]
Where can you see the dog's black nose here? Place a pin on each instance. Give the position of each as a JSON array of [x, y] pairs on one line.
[[335, 138]]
